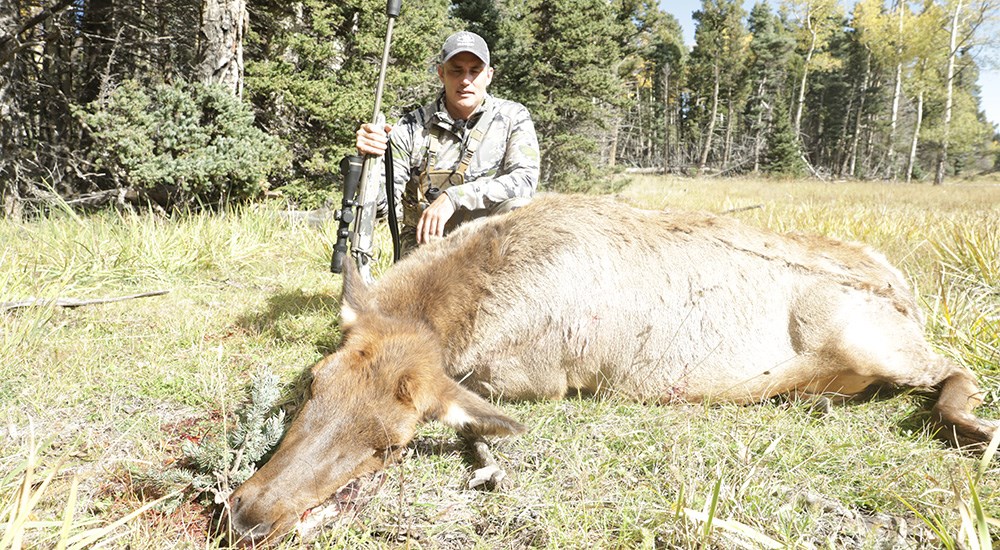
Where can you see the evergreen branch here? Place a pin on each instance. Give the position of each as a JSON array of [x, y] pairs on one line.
[[217, 465]]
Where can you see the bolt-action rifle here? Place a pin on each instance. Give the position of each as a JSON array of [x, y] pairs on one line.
[[358, 208]]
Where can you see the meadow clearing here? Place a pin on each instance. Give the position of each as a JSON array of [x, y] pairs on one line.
[[95, 399]]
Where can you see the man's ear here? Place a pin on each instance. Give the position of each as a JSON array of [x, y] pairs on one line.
[[470, 414], [354, 294]]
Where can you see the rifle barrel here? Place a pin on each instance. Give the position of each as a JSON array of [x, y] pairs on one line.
[[382, 70]]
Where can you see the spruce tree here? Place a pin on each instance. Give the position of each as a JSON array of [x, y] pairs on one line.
[[782, 156], [558, 58], [479, 16], [653, 51], [771, 48], [312, 69], [716, 66]]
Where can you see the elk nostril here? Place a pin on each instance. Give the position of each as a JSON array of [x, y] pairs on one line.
[[235, 508], [245, 529]]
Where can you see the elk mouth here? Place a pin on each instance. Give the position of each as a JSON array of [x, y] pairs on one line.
[[342, 506], [261, 511]]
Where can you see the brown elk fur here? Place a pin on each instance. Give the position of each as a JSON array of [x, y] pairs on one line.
[[586, 294]]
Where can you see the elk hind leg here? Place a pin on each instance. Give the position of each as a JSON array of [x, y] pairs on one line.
[[893, 351], [953, 412]]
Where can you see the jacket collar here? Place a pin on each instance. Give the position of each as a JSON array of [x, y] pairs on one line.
[[443, 120]]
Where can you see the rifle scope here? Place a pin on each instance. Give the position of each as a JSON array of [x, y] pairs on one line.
[[350, 170]]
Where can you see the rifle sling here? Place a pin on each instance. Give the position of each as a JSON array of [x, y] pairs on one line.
[[390, 197]]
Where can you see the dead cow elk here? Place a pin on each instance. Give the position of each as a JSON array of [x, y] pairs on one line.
[[586, 294]]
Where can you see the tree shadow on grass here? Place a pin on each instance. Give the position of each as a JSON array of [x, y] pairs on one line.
[[294, 316]]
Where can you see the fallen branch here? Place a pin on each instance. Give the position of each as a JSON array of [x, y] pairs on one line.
[[741, 209], [71, 302], [812, 169]]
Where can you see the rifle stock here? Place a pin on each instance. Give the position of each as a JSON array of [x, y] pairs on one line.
[[362, 238]]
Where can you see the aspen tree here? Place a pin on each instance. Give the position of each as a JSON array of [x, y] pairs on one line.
[[717, 59], [818, 21]]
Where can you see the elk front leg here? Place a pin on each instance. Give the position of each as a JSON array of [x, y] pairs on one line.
[[487, 475]]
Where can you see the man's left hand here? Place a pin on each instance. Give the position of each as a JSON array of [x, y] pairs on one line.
[[434, 218]]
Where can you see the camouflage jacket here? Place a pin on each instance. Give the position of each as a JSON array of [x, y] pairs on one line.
[[505, 165]]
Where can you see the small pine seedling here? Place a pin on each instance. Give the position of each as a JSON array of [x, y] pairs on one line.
[[217, 465]]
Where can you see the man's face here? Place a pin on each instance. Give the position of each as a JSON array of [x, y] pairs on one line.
[[465, 78]]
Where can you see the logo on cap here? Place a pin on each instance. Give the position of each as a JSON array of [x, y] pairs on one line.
[[465, 41]]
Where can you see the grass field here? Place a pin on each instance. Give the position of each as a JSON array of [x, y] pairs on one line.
[[95, 397]]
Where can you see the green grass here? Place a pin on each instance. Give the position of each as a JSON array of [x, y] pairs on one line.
[[116, 388]]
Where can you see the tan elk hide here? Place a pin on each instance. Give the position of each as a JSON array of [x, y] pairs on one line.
[[585, 294]]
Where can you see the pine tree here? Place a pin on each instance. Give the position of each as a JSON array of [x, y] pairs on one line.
[[818, 21], [559, 58], [883, 33], [312, 70], [782, 156], [479, 16], [771, 48], [652, 55]]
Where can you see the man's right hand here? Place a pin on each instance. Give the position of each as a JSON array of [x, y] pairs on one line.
[[372, 140]]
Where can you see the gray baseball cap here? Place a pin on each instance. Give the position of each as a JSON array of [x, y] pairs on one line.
[[465, 41]]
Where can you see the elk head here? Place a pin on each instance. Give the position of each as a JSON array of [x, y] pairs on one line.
[[366, 402]]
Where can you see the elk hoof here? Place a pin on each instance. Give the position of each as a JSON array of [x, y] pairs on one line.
[[489, 478], [974, 436], [964, 430]]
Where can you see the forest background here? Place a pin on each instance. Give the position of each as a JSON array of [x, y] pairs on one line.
[[188, 103]]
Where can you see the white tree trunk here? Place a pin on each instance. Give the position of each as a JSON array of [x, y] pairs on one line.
[[730, 119], [613, 146], [711, 121], [220, 52], [942, 159], [857, 121], [666, 118], [896, 94], [911, 162], [797, 123]]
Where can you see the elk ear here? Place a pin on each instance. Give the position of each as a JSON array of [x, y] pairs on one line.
[[470, 414], [354, 295]]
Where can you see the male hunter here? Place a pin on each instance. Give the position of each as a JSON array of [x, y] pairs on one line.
[[465, 155]]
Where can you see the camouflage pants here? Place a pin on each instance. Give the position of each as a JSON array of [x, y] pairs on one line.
[[408, 235]]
